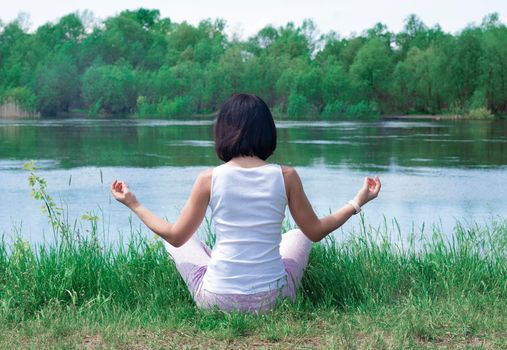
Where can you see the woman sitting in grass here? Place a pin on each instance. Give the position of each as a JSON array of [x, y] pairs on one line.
[[252, 264]]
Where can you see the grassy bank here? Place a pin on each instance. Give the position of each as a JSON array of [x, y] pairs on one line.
[[366, 292], [438, 290]]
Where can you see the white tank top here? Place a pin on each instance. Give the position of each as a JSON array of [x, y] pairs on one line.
[[247, 207]]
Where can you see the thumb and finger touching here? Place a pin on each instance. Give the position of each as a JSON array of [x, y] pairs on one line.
[[366, 183], [119, 188], [371, 186], [377, 185], [125, 187]]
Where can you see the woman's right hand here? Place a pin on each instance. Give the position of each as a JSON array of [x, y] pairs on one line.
[[369, 191], [122, 194]]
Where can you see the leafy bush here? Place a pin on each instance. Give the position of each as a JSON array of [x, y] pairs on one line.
[[341, 109], [179, 106], [145, 108], [335, 109], [478, 100], [477, 106], [363, 109], [480, 113], [298, 106]]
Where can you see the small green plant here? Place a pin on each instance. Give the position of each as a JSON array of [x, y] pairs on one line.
[[39, 192], [298, 106], [335, 109], [95, 108], [480, 113], [55, 213]]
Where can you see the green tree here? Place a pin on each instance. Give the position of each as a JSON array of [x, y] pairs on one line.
[[111, 88], [57, 84], [138, 62], [494, 64], [371, 71]]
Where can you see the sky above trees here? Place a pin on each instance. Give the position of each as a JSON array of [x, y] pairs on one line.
[[247, 18]]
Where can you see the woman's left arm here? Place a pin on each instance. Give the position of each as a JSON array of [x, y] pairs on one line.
[[189, 220]]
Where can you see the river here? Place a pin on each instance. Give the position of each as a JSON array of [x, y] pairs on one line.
[[433, 172]]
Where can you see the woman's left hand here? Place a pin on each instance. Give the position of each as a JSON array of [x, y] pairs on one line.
[[122, 194], [369, 191]]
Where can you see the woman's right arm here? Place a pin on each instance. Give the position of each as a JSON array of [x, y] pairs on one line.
[[190, 217], [301, 210]]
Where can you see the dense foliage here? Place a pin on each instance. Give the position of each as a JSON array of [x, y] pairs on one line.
[[139, 63]]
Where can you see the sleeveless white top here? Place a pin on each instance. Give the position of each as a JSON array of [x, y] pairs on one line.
[[248, 207]]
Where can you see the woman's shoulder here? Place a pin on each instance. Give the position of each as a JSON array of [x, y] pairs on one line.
[[206, 172], [290, 177], [288, 171], [205, 175]]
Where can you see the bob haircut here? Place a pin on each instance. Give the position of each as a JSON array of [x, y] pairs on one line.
[[244, 127]]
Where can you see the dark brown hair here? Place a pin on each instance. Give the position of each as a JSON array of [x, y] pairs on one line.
[[244, 127]]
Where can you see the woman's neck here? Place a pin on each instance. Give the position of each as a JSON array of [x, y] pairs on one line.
[[247, 162]]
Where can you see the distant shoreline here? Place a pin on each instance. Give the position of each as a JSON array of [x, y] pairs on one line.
[[70, 115], [423, 117]]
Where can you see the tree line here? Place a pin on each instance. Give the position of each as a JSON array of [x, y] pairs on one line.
[[138, 63]]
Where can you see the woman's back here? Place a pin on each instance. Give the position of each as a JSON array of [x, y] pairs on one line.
[[248, 207]]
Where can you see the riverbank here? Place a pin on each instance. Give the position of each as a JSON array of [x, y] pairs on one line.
[[368, 292], [423, 117], [284, 117]]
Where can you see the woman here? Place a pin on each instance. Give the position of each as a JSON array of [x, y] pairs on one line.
[[252, 264]]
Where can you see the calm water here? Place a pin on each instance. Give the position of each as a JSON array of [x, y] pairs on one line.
[[432, 172]]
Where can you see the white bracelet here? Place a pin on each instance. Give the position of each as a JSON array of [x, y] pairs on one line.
[[356, 206]]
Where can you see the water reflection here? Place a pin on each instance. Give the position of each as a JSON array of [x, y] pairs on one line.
[[152, 143], [432, 171]]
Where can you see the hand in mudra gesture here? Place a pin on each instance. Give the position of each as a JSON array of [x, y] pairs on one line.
[[369, 191], [122, 194]]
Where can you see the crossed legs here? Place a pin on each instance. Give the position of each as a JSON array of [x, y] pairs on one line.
[[192, 259]]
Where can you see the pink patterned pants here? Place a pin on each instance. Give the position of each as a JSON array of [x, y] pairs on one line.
[[192, 259]]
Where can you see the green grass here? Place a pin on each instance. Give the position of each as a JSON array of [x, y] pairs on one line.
[[365, 292]]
